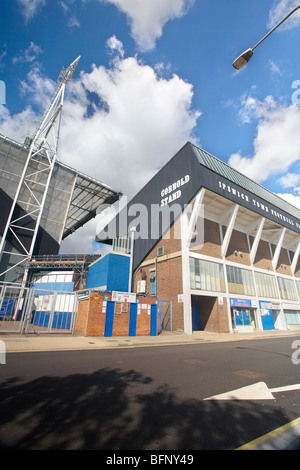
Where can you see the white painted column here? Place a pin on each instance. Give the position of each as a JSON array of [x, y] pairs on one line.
[[257, 240], [186, 283], [278, 249], [229, 230], [295, 259]]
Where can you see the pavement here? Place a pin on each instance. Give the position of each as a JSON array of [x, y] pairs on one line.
[[31, 342]]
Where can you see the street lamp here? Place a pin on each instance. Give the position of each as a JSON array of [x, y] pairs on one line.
[[244, 58]]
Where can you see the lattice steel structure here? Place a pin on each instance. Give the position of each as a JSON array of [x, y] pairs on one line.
[[42, 201]]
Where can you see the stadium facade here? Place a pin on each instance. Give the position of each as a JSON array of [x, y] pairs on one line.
[[221, 248]]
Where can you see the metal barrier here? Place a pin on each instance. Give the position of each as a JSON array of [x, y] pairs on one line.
[[25, 311], [13, 303], [50, 312], [165, 315]]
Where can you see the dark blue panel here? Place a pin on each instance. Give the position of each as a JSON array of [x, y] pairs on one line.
[[196, 323], [153, 325], [132, 320], [109, 322], [8, 307]]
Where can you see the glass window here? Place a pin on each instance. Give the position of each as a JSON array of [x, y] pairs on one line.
[[298, 288], [266, 285], [287, 289], [240, 281], [153, 282], [292, 317], [206, 275], [122, 244]]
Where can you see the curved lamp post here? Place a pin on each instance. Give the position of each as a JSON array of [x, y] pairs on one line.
[[244, 58]]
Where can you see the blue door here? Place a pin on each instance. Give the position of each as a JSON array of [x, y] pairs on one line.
[[266, 315], [109, 322], [153, 326], [196, 322], [132, 320]]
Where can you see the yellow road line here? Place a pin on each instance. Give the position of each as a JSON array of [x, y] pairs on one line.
[[266, 437]]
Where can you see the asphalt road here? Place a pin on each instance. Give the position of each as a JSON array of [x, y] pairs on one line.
[[152, 398]]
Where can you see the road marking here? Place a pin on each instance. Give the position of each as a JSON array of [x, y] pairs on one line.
[[288, 388], [249, 373], [258, 391], [270, 435]]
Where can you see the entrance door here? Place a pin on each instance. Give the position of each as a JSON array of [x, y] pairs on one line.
[[153, 320], [132, 319], [267, 319], [109, 322], [196, 323]]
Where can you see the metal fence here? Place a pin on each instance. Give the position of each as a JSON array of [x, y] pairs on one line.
[[27, 311]]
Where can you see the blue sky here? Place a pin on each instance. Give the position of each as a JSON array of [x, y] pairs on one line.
[[154, 74]]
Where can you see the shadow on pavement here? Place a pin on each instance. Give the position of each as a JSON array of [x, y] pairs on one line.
[[112, 409]]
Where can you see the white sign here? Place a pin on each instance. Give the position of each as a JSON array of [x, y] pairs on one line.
[[172, 192], [123, 297], [180, 298]]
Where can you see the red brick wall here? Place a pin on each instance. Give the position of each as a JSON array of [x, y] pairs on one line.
[[91, 318]]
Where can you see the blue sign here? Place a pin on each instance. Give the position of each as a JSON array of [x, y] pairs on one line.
[[241, 303]]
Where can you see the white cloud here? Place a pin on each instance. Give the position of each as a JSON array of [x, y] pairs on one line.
[[148, 17], [145, 120], [291, 180], [72, 20], [115, 45], [291, 198], [280, 10], [29, 55], [30, 8], [277, 141], [119, 124]]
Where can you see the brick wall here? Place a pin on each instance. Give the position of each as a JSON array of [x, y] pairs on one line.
[[91, 316], [169, 273]]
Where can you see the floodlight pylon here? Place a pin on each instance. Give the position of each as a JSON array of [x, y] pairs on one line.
[[34, 182]]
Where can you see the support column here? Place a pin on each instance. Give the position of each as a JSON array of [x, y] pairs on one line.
[[186, 283], [229, 230], [278, 249], [295, 259], [257, 240]]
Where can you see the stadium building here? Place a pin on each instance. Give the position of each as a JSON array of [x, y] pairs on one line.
[[221, 248]]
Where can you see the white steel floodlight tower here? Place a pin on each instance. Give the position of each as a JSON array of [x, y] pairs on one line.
[[34, 182]]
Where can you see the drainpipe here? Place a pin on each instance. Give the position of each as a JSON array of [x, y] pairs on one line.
[[132, 230]]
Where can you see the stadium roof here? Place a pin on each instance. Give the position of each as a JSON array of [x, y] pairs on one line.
[[73, 196], [88, 197], [243, 181]]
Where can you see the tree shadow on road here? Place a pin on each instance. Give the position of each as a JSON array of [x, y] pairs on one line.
[[114, 409]]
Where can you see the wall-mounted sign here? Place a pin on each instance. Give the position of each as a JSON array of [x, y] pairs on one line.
[[123, 297], [245, 303], [172, 192]]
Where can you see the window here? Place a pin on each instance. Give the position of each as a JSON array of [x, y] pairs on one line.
[[266, 285], [207, 276], [292, 317], [298, 288], [287, 289], [240, 281], [121, 244], [153, 282]]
